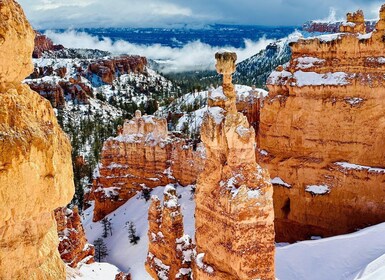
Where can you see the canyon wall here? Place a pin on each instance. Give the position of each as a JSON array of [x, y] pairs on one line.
[[43, 44], [170, 250], [234, 205], [142, 157], [321, 135], [109, 69], [35, 161], [73, 246]]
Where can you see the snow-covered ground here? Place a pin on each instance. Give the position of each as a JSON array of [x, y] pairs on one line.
[[359, 255]]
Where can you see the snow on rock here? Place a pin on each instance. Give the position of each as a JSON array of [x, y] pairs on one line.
[[318, 189], [217, 113], [279, 181], [352, 166], [202, 265], [309, 62]]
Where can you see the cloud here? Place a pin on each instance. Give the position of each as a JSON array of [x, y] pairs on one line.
[[46, 14], [192, 56]]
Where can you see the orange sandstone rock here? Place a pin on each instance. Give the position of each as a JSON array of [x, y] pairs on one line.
[[73, 246], [143, 157], [355, 23], [234, 206], [170, 252], [35, 161], [321, 135]]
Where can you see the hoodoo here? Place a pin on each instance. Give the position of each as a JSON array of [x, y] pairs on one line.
[[170, 250], [234, 205], [35, 161], [321, 133]]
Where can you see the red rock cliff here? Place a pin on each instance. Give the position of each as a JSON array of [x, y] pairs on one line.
[[35, 161], [109, 69], [234, 205], [321, 135], [143, 156], [43, 44]]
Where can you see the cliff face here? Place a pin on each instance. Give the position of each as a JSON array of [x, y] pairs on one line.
[[108, 69], [35, 161], [170, 251], [43, 44], [73, 246], [144, 156], [321, 135], [234, 207]]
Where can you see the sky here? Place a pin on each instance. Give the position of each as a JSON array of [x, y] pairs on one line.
[[48, 14]]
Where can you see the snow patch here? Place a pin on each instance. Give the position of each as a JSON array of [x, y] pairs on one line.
[[318, 189]]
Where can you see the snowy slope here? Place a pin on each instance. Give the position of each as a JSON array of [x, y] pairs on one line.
[[360, 255], [128, 257]]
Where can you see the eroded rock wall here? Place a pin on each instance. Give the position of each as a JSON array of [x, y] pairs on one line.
[[143, 157], [35, 161], [73, 246], [321, 135]]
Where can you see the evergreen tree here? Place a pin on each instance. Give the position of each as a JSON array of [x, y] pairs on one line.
[[107, 227], [134, 238], [101, 250]]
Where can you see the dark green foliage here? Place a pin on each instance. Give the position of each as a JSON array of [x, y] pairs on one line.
[[101, 250], [134, 238]]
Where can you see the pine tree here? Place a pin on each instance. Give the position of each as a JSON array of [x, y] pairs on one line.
[[132, 233], [101, 250], [107, 227]]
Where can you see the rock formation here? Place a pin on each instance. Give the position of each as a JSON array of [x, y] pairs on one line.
[[321, 135], [109, 69], [35, 161], [73, 246], [355, 23], [234, 205], [170, 252], [333, 26], [143, 157], [56, 93], [43, 44]]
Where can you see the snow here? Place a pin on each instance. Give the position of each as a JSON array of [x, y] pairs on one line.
[[315, 79], [352, 166], [217, 113], [354, 100], [380, 60], [353, 256], [309, 78], [279, 181], [356, 256], [202, 265], [109, 192], [309, 62], [365, 36], [350, 24], [318, 189], [94, 271], [242, 131], [124, 255]]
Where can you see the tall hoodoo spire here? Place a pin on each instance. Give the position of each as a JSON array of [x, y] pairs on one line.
[[234, 206]]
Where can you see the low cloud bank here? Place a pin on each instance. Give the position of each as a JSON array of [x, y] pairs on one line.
[[191, 57]]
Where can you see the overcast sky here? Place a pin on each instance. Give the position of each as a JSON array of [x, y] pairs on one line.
[[45, 14]]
